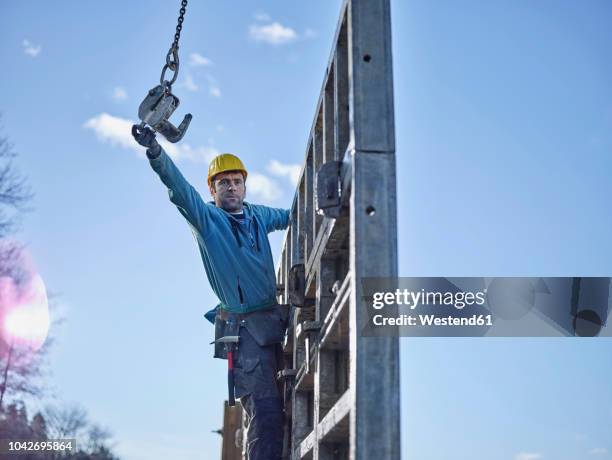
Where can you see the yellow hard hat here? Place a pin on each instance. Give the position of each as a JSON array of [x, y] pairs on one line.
[[225, 162]]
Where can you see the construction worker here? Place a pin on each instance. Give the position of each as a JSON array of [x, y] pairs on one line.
[[233, 243]]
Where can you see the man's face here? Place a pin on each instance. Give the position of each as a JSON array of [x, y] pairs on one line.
[[228, 190]]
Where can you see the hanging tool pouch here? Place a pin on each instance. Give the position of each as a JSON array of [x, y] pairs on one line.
[[267, 327], [220, 326]]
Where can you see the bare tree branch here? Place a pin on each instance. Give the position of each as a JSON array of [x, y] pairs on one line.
[[20, 369], [15, 193], [65, 422]]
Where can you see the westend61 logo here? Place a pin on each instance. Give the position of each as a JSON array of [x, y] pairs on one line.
[[413, 299], [486, 306]]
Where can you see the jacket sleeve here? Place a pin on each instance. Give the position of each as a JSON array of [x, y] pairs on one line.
[[181, 193], [274, 218]]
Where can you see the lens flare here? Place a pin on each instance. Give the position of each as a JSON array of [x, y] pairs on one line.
[[24, 312]]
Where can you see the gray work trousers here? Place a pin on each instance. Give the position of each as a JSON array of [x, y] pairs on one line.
[[255, 380], [256, 362]]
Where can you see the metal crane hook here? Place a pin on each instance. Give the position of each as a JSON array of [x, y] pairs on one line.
[[160, 103]]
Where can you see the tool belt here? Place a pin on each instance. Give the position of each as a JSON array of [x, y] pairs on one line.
[[267, 326]]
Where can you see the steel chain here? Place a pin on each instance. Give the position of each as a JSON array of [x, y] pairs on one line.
[[173, 64], [179, 26]]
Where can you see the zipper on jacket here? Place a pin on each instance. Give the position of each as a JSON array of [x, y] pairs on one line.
[[234, 226], [240, 295], [256, 233]]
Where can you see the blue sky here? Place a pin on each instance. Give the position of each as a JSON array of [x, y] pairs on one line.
[[503, 127]]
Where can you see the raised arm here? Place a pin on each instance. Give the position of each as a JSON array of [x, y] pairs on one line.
[[274, 218], [181, 192]]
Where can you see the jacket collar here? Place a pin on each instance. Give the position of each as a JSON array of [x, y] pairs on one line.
[[246, 208]]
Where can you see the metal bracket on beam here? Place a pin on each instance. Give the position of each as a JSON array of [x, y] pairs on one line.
[[297, 287], [287, 377], [329, 189], [309, 328], [286, 374]]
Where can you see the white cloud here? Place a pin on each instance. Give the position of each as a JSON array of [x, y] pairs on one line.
[[598, 451], [189, 84], [215, 91], [273, 34], [262, 188], [197, 60], [119, 94], [310, 33], [114, 130], [117, 131], [213, 87], [261, 16], [30, 49], [290, 171], [527, 456], [202, 154]]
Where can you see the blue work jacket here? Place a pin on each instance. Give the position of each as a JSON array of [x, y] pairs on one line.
[[236, 256]]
